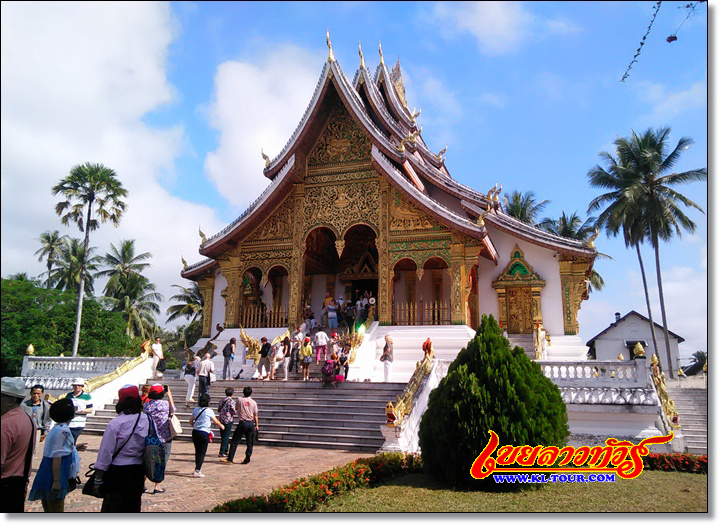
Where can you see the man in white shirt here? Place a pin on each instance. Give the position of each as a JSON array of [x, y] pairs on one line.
[[157, 355], [321, 341]]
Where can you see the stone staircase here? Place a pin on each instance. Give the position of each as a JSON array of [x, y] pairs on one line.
[[447, 341], [296, 413], [691, 404], [524, 341], [566, 348]]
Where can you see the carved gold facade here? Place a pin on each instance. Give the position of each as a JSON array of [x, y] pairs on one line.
[[573, 277], [338, 189], [518, 288]]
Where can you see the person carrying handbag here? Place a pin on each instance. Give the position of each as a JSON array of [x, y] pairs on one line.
[[119, 469]]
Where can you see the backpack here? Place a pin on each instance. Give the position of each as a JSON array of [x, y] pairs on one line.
[[227, 351], [327, 368], [154, 455]]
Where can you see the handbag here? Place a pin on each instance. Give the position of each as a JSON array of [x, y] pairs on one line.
[[307, 359], [154, 455], [161, 366], [89, 487], [175, 426], [383, 357]]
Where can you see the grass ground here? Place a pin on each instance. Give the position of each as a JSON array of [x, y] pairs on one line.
[[650, 492]]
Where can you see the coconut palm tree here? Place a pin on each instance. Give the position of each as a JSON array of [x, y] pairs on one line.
[[92, 192], [191, 304], [68, 271], [699, 357], [121, 263], [642, 203], [51, 244], [137, 299], [523, 206], [573, 227]]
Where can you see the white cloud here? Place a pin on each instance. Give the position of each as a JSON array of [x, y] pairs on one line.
[[666, 103], [562, 26], [441, 109], [77, 79], [257, 105], [498, 100], [498, 27]]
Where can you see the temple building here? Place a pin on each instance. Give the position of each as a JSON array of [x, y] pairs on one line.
[[358, 202]]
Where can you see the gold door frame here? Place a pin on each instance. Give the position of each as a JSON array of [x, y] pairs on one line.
[[519, 274]]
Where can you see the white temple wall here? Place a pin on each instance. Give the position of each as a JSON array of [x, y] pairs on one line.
[[612, 343], [218, 309], [542, 260]]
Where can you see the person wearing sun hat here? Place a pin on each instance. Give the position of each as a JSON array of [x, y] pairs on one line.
[[16, 445], [119, 471], [83, 406]]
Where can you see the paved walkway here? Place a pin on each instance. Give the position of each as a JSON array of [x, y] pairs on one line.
[[270, 468]]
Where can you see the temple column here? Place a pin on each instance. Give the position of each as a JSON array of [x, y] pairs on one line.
[[385, 272], [574, 289], [297, 264], [232, 299], [458, 282], [207, 290]]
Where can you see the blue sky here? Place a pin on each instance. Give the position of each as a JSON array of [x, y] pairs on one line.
[[179, 98]]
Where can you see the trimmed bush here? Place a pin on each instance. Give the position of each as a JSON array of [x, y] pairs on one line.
[[305, 494], [676, 463], [488, 387]]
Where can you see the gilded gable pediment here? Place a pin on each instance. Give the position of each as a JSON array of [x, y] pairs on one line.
[[341, 141]]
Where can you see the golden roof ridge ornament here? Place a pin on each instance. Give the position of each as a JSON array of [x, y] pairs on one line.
[[591, 240], [331, 56], [481, 218], [203, 239], [362, 57], [382, 59], [441, 153], [414, 115], [184, 263], [267, 159]]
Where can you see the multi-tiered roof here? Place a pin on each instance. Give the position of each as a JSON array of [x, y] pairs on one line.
[[376, 102]]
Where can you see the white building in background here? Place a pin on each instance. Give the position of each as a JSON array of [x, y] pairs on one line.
[[622, 335]]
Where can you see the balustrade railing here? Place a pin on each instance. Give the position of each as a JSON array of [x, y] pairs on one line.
[[421, 313], [258, 317], [403, 403], [596, 373], [38, 366]]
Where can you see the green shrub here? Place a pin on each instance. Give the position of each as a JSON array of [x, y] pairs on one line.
[[488, 387], [305, 494]]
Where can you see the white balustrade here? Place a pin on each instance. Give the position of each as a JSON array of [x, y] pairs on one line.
[[59, 367], [596, 373]]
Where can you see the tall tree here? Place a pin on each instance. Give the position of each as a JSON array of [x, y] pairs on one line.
[[190, 304], [523, 206], [91, 190], [573, 227], [67, 273], [137, 299], [121, 263], [642, 202], [51, 244]]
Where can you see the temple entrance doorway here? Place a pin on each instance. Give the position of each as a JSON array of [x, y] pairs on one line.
[[359, 266], [519, 310]]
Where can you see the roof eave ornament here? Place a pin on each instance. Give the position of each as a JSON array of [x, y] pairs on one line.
[[362, 57], [382, 59], [331, 56], [184, 263], [591, 240], [264, 156], [203, 238], [414, 115], [439, 156]]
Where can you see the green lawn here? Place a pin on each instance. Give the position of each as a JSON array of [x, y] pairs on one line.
[[650, 492]]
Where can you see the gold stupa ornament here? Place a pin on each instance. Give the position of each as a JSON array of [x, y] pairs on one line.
[[639, 351], [30, 350]]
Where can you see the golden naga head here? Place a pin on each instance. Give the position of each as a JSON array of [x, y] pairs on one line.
[[591, 240]]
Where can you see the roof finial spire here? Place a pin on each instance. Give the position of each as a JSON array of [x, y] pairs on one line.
[[267, 159], [382, 59], [331, 57], [362, 57]]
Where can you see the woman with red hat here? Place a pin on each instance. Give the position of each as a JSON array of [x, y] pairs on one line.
[[160, 412], [306, 358], [119, 471]]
